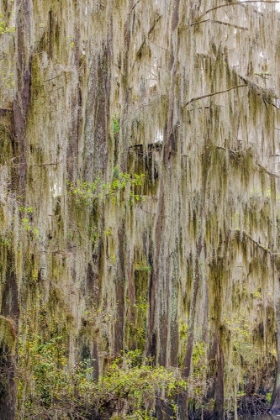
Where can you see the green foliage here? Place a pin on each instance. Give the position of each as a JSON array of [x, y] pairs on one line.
[[136, 329], [26, 221], [197, 380], [183, 330], [48, 388], [48, 360], [4, 28], [268, 397], [142, 267], [86, 192], [7, 78], [241, 337], [28, 210], [135, 385], [115, 125], [6, 239]]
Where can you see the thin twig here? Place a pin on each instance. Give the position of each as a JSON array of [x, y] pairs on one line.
[[228, 150], [49, 164], [166, 49], [213, 94], [199, 21], [154, 24], [52, 78], [259, 245], [230, 24], [221, 23], [133, 7], [268, 172]]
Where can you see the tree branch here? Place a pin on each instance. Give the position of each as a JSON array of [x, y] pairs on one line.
[[221, 23], [267, 171], [213, 94], [133, 7], [154, 24], [237, 3], [256, 243], [263, 168]]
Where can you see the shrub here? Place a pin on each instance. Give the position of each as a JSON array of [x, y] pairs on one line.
[[48, 388]]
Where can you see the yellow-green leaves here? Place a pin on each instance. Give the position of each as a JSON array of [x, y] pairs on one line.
[[86, 192], [4, 28]]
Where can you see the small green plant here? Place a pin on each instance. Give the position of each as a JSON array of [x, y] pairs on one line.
[[142, 267], [6, 238], [268, 397], [86, 192], [28, 210], [183, 330], [8, 79], [108, 232], [4, 28], [26, 221], [137, 328], [115, 125]]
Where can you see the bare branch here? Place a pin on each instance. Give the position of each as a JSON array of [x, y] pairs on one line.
[[221, 23], [199, 21], [256, 243], [263, 168], [154, 24], [166, 49], [267, 171], [213, 94], [52, 78], [237, 3], [133, 7], [230, 24], [233, 152]]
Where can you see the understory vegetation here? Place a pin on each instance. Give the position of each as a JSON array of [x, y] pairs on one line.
[[49, 389], [87, 192]]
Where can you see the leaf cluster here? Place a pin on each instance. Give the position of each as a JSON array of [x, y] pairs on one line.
[[87, 192], [4, 28]]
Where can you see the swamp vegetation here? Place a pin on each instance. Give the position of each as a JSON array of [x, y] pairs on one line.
[[139, 209]]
